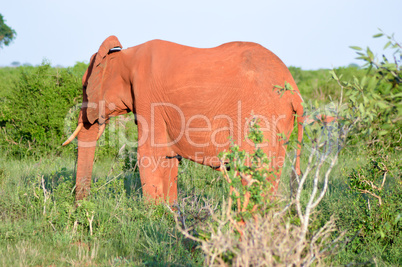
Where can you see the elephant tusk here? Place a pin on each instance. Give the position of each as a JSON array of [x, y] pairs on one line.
[[75, 133], [101, 129]]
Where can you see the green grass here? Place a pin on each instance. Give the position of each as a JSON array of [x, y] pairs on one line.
[[35, 231]]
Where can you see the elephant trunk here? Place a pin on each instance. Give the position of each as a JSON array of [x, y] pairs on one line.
[[87, 138]]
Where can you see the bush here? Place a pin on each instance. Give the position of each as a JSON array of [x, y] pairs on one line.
[[318, 84], [370, 212], [373, 215], [40, 109], [8, 76], [376, 98], [32, 117]]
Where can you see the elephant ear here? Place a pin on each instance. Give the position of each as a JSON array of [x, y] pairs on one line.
[[88, 72], [83, 114], [107, 45], [93, 78]]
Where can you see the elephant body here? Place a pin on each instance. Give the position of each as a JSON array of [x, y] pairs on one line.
[[188, 101]]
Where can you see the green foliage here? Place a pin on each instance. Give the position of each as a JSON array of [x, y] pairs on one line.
[[370, 208], [370, 211], [376, 98], [248, 175], [7, 34], [318, 84], [380, 200], [32, 117], [282, 90], [39, 108], [8, 77]]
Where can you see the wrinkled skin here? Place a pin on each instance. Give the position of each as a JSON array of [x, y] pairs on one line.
[[187, 101]]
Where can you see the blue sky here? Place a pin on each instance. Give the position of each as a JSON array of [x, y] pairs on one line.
[[307, 34]]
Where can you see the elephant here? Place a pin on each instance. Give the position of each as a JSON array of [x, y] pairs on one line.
[[188, 103]]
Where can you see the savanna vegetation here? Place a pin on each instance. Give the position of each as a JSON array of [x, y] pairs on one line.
[[345, 208]]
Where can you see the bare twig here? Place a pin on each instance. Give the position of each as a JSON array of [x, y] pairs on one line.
[[90, 220]]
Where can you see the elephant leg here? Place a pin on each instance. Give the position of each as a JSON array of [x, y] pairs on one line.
[[86, 152], [170, 181], [159, 178]]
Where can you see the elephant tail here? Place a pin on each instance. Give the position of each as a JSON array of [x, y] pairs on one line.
[[298, 109]]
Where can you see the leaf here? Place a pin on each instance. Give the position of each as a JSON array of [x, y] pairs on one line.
[[390, 66], [382, 105], [397, 95], [333, 74], [355, 80], [378, 35], [288, 86], [364, 58], [356, 48], [386, 126], [387, 90], [382, 132], [361, 108], [387, 45], [370, 54], [369, 68], [316, 103], [362, 82], [365, 99]]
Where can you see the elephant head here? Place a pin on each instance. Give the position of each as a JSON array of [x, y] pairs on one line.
[[95, 110]]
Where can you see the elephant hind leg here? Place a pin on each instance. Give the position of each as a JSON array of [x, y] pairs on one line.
[[170, 181], [159, 178]]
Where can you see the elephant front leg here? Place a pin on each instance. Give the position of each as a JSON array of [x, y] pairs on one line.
[[158, 177], [86, 152]]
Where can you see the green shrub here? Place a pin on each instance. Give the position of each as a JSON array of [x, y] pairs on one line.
[[379, 194], [32, 117], [376, 98], [318, 84], [8, 76], [248, 175], [40, 109], [370, 210]]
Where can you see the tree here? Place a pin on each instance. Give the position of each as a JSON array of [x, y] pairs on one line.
[[15, 63], [7, 34]]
